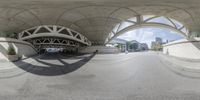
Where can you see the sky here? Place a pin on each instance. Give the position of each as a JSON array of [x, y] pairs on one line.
[[147, 35]]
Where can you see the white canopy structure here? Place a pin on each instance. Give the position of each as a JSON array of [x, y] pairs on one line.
[[96, 19]]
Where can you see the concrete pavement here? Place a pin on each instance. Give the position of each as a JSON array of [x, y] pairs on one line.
[[182, 66], [185, 63], [12, 69], [133, 76]]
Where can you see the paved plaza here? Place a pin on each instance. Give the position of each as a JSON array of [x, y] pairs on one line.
[[99, 49], [133, 76]]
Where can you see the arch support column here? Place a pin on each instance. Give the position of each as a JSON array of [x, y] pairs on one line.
[[194, 34]]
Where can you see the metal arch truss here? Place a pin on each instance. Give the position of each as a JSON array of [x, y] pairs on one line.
[[140, 21], [53, 31], [52, 42]]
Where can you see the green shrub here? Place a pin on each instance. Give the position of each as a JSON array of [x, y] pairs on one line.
[[11, 51]]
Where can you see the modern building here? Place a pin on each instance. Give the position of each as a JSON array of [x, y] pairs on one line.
[[143, 47], [157, 44], [132, 46], [135, 46], [158, 40], [119, 43]]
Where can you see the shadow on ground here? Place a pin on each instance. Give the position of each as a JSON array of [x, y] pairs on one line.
[[51, 69]]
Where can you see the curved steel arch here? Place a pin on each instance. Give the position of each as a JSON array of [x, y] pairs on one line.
[[140, 23], [53, 31], [143, 26]]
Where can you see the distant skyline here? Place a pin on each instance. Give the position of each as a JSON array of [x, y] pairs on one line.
[[147, 35]]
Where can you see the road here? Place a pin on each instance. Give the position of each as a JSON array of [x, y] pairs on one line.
[[133, 76]]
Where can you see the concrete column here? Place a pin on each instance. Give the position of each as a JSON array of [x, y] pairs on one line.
[[194, 34]]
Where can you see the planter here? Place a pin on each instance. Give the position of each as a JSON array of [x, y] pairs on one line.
[[13, 57]]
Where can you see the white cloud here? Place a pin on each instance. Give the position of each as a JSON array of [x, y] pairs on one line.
[[147, 35]]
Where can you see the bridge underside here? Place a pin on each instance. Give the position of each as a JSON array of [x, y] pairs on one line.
[[94, 19], [54, 42], [53, 36]]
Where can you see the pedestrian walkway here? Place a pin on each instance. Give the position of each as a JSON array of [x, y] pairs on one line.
[[186, 63], [11, 69], [186, 67], [9, 65]]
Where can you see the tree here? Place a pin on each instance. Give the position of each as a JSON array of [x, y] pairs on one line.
[[11, 51]]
